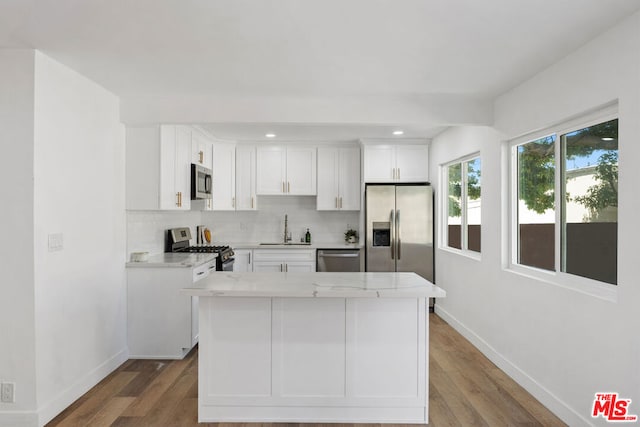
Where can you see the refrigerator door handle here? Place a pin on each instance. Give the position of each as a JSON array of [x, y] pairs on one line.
[[393, 237], [398, 242]]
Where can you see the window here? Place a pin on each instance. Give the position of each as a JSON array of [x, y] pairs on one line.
[[463, 204], [566, 209]]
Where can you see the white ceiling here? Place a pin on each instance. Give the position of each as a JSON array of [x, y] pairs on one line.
[[308, 48]]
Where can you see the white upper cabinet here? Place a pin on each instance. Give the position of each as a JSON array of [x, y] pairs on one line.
[[286, 170], [224, 177], [271, 170], [246, 178], [412, 163], [158, 168], [379, 163], [338, 178], [396, 163], [201, 150]]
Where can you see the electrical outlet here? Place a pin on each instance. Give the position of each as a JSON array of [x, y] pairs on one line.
[[55, 242], [7, 392]]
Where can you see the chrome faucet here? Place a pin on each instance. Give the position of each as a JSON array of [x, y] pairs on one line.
[[287, 235]]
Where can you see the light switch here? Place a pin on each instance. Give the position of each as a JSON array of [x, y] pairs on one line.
[[55, 242]]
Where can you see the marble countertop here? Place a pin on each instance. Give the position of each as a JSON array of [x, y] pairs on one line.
[[296, 245], [173, 260], [342, 285]]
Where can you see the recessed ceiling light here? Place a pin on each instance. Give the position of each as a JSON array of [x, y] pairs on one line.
[[398, 132], [270, 135], [607, 139]]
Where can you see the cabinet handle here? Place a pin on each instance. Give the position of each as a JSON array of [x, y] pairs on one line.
[[233, 202], [249, 258], [251, 202], [178, 199], [286, 268], [340, 202], [288, 187], [398, 173], [336, 203], [281, 268], [201, 154], [283, 187], [393, 173]]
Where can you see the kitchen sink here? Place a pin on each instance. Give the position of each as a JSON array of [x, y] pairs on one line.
[[285, 244]]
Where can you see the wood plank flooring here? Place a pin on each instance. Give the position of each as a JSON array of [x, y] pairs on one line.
[[465, 389]]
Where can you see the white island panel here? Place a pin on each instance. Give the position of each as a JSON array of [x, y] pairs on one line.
[[311, 346], [238, 357], [387, 343]]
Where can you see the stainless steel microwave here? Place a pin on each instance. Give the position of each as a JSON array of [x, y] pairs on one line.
[[200, 182]]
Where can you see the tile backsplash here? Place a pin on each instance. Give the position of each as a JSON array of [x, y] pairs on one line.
[[146, 229], [267, 223]]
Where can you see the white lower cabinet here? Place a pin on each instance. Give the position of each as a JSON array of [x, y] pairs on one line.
[[162, 323], [243, 262], [284, 260]]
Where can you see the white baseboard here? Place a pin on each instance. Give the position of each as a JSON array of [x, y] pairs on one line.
[[546, 397], [59, 403], [19, 418]]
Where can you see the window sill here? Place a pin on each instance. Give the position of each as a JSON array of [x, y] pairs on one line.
[[476, 256], [583, 285]]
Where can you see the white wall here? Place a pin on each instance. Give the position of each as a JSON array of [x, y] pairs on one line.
[[562, 345], [80, 291], [17, 333]]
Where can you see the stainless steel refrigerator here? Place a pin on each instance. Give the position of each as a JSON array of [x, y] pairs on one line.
[[399, 228]]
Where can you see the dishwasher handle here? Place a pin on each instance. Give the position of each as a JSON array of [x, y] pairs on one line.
[[323, 255]]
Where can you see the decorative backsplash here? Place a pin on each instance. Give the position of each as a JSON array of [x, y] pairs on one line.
[[146, 229]]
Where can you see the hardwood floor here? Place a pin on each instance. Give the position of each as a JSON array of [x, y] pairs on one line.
[[465, 389]]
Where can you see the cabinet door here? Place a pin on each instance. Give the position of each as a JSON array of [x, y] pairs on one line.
[[246, 178], [301, 171], [349, 179], [379, 163], [175, 168], [169, 196], [412, 163], [242, 263], [201, 150], [183, 167], [268, 267], [224, 177], [328, 160], [270, 170], [300, 267]]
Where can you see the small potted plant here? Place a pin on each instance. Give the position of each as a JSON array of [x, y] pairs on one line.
[[351, 236]]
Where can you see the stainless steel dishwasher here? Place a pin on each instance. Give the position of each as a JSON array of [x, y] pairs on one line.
[[338, 260]]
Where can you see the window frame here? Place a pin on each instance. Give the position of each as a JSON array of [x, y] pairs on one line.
[[444, 231], [592, 287]]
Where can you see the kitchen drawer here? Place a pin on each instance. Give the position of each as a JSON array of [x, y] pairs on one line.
[[286, 255], [202, 271]]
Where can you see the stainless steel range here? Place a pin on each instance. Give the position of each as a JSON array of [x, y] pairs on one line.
[[177, 240]]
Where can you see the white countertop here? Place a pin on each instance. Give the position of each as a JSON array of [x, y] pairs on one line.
[[296, 245], [342, 285], [173, 260]]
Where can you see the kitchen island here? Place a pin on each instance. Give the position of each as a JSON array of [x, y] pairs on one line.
[[313, 347]]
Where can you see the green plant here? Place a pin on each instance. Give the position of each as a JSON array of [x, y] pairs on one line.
[[349, 234]]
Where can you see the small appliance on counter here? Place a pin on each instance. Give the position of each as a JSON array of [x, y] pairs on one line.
[[177, 240]]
